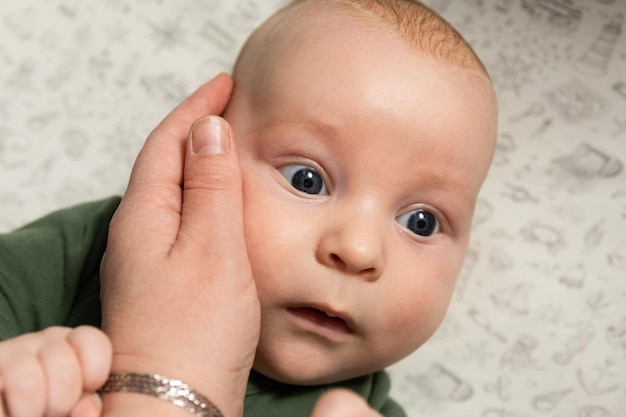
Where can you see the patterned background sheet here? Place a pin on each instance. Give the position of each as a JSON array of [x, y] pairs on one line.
[[538, 323]]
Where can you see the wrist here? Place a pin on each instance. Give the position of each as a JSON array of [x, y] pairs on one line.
[[221, 389]]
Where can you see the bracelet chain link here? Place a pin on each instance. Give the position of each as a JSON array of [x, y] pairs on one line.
[[164, 388]]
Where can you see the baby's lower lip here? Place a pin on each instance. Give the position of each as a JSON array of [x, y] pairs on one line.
[[318, 318]]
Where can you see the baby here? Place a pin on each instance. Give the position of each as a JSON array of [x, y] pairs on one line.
[[365, 129]]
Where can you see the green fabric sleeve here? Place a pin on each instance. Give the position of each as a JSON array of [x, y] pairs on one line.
[[49, 269], [268, 398], [376, 392]]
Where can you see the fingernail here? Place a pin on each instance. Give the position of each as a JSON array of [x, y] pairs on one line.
[[210, 135]]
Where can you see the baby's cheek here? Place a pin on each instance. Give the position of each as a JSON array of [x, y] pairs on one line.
[[416, 318], [405, 333]]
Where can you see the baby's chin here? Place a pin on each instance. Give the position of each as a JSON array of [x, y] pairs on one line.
[[305, 376]]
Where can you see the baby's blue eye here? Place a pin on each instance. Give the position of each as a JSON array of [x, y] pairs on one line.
[[304, 179], [420, 222]]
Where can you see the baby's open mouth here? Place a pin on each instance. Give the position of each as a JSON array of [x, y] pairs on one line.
[[322, 318]]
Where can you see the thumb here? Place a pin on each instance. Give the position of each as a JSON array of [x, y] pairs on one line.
[[212, 198]]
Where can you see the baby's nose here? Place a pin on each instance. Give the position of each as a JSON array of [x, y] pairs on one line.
[[354, 245]]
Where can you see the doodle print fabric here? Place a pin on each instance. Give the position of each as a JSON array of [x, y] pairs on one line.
[[538, 322]]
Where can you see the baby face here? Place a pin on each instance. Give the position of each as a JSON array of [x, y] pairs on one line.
[[361, 163]]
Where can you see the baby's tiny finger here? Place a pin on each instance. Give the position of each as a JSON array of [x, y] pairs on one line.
[[89, 405], [25, 396], [94, 353], [63, 377], [342, 403]]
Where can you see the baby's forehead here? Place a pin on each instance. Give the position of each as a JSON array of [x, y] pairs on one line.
[[423, 30], [316, 31]]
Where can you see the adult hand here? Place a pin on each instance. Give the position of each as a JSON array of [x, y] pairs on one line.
[[177, 290]]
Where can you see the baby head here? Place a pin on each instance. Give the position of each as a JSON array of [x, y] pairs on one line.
[[365, 130]]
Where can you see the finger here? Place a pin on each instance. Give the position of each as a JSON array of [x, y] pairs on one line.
[[89, 405], [22, 378], [94, 352], [156, 178], [3, 409], [212, 199], [29, 342], [342, 403], [23, 386], [63, 377], [164, 149], [210, 98], [172, 132]]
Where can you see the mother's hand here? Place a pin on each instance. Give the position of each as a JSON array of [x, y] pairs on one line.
[[177, 289]]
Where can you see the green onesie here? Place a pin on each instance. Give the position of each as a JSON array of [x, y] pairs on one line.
[[49, 275]]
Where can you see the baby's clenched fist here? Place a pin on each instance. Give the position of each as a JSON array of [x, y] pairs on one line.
[[54, 372]]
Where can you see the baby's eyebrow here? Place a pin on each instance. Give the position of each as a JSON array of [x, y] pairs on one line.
[[324, 129], [443, 181], [440, 180], [322, 126]]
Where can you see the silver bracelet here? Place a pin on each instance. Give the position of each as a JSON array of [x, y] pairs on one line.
[[171, 390]]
